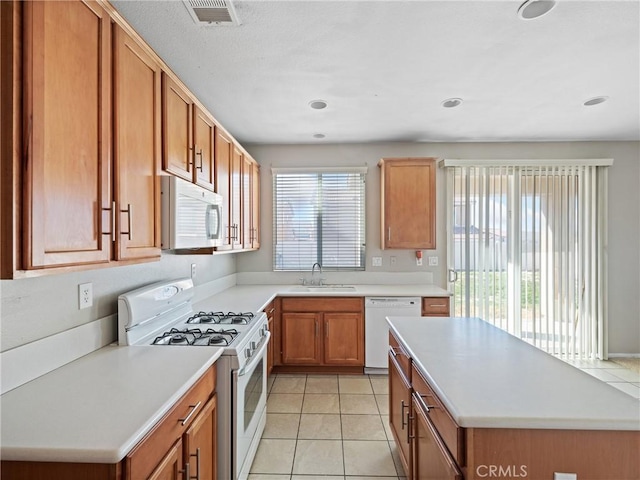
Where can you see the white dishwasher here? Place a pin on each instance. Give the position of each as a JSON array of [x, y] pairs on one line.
[[376, 331]]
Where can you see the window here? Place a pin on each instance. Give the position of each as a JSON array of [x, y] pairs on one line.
[[526, 250], [319, 216]]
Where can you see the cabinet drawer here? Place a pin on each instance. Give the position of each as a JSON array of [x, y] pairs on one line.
[[402, 357], [322, 304], [435, 306], [150, 451], [449, 430]]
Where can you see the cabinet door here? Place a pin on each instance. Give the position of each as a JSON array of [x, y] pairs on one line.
[[343, 339], [255, 206], [247, 192], [203, 144], [67, 185], [137, 135], [223, 183], [399, 412], [200, 443], [431, 459], [171, 465], [301, 339], [236, 198], [408, 196], [177, 148]]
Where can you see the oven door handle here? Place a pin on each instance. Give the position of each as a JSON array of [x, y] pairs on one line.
[[255, 358]]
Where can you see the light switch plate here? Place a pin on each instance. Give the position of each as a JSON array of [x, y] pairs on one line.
[[433, 261], [376, 261]]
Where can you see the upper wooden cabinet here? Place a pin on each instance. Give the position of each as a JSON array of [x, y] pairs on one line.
[[408, 203], [136, 140], [67, 121], [188, 136], [255, 205]]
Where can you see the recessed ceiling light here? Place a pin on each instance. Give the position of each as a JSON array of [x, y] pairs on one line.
[[595, 101], [318, 135], [535, 8], [451, 102], [318, 104]]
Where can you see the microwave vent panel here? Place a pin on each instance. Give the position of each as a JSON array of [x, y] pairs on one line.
[[212, 12]]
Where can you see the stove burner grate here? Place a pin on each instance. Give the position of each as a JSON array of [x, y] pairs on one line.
[[195, 336], [221, 318]]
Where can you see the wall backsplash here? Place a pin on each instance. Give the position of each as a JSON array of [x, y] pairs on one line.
[[34, 308]]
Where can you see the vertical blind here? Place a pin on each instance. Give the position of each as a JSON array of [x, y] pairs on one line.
[[319, 216], [527, 248]]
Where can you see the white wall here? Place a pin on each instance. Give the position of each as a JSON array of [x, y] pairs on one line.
[[624, 211], [34, 308]]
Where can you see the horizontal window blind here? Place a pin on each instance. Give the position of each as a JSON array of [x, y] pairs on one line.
[[319, 217]]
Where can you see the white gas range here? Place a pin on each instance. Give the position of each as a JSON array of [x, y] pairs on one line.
[[162, 314]]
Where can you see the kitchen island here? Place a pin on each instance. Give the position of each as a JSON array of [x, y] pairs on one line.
[[491, 405]]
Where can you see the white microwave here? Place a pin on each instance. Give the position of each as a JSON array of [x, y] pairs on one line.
[[191, 215]]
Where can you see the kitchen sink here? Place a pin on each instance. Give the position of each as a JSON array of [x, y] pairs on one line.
[[325, 288]]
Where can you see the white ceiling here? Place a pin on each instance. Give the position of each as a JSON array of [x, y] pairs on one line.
[[384, 67]]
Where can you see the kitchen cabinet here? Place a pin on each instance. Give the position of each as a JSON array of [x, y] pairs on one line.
[[270, 310], [408, 203], [67, 143], [400, 401], [325, 332], [183, 440], [136, 140], [188, 136], [250, 203], [435, 306], [235, 198]]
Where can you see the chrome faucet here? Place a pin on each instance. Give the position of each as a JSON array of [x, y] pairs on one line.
[[313, 271]]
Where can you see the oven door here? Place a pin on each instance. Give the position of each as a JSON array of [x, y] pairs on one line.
[[250, 404]]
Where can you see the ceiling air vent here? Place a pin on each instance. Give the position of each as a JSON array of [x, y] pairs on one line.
[[212, 12]]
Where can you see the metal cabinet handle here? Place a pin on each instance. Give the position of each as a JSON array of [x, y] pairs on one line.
[[186, 473], [201, 161], [197, 455], [129, 212], [190, 414], [393, 351], [437, 305], [389, 233], [402, 413], [113, 220], [426, 406], [326, 327], [316, 328], [409, 421]]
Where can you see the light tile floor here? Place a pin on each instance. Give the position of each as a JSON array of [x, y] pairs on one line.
[[334, 427]]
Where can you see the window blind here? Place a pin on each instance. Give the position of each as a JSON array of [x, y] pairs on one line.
[[319, 216], [527, 251]]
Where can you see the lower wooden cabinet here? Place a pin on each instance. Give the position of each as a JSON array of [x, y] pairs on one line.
[[400, 410], [435, 306], [327, 331], [431, 459], [182, 445], [270, 310]]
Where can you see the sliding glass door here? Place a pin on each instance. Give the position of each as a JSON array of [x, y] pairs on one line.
[[527, 252]]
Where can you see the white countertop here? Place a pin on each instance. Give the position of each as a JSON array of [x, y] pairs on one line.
[[488, 378], [255, 297], [97, 408]]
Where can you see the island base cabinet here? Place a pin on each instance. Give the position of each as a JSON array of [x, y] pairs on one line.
[[399, 412], [170, 466], [528, 453], [431, 459]]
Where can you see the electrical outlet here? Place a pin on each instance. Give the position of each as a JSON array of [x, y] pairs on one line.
[[193, 270], [376, 261], [85, 295], [393, 260], [433, 261]]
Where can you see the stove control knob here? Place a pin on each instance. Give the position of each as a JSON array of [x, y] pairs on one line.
[[253, 346], [247, 353]]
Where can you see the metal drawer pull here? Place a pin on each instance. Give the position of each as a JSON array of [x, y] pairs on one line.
[[409, 421], [193, 410], [393, 351], [437, 305], [424, 404]]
